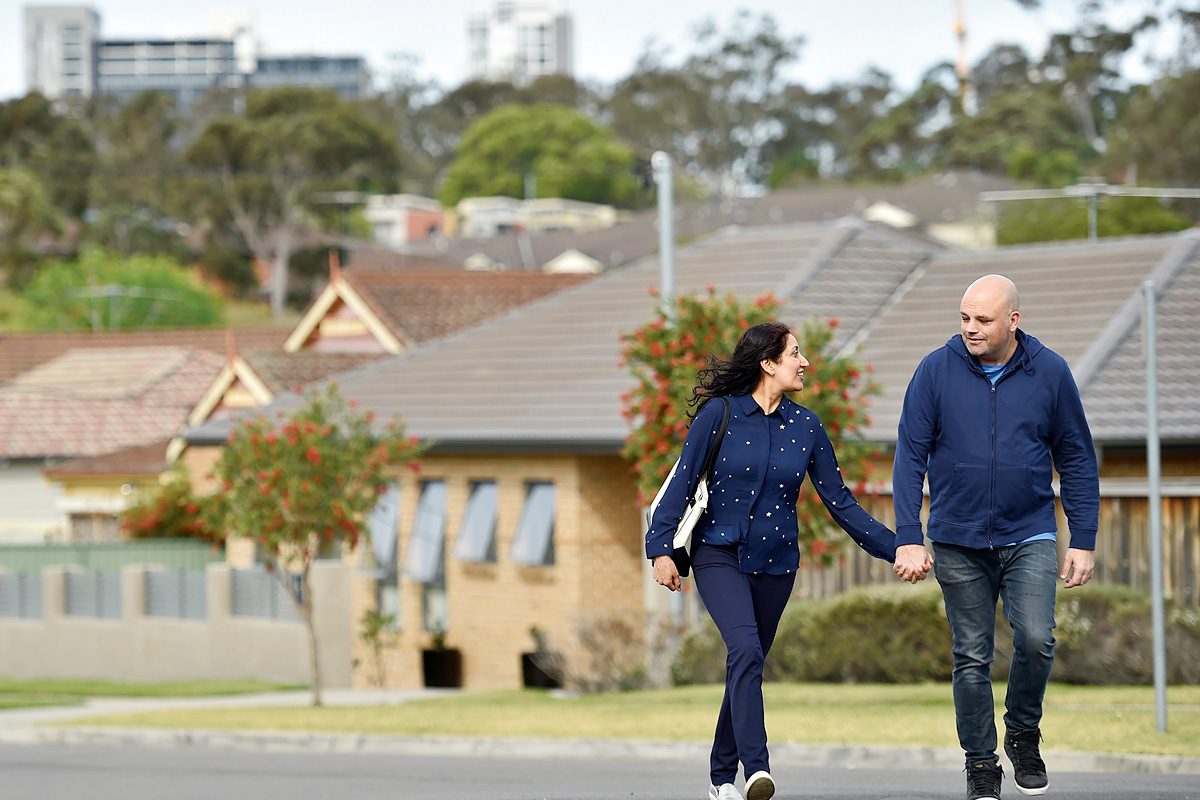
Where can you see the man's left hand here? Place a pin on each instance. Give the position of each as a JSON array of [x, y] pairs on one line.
[[1078, 567]]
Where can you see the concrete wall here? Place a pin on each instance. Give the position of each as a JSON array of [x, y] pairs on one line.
[[138, 648]]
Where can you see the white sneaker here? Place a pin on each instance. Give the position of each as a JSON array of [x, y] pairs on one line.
[[760, 786], [726, 791]]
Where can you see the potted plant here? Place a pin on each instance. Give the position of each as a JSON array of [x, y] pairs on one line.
[[542, 668], [442, 665]]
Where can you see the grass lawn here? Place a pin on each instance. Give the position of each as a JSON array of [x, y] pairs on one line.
[[1098, 719], [23, 694]]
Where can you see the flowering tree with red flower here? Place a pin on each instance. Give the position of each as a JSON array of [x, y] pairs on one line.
[[297, 484], [665, 356], [170, 510]]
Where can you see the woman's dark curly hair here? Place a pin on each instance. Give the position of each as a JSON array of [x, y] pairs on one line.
[[741, 372]]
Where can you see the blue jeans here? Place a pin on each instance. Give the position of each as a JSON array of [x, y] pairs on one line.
[[746, 609], [1025, 576]]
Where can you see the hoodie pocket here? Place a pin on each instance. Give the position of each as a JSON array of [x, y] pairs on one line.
[[1015, 497], [967, 501]]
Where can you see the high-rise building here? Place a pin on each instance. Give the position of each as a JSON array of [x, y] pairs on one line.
[[66, 56], [182, 68], [60, 50], [520, 41]]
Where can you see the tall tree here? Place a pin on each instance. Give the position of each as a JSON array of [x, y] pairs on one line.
[[270, 159], [54, 145], [25, 212], [567, 153], [718, 109]]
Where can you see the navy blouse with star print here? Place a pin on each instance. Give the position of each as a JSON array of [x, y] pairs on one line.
[[756, 483]]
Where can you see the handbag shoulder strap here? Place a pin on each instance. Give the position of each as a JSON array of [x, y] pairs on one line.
[[710, 460]]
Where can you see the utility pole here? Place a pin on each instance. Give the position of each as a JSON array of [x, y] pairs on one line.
[[1091, 189], [664, 178], [1154, 498]]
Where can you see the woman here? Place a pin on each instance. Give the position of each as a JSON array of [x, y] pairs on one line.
[[745, 552]]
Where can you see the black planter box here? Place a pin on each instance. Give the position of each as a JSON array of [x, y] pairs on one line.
[[443, 668], [535, 676]]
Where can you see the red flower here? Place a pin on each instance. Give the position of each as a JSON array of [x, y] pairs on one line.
[[313, 456]]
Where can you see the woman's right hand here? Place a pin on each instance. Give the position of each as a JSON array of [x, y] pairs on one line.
[[667, 574]]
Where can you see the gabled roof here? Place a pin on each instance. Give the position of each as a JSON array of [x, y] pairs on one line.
[[1114, 392], [404, 308], [548, 375], [99, 400], [23, 351], [1070, 294]]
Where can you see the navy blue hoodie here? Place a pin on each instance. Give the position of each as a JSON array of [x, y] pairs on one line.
[[990, 451]]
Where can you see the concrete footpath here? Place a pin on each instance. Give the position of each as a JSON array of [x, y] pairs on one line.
[[39, 726]]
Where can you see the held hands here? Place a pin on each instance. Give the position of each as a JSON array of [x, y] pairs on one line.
[[1078, 567], [667, 574], [913, 562]]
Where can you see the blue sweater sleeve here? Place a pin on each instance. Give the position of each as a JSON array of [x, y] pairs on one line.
[[1075, 459], [670, 509], [869, 533], [915, 437]]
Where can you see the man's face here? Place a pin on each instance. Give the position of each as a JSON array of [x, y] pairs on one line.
[[989, 326]]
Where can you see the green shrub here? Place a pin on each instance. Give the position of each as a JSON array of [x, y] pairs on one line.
[[885, 634], [898, 633], [1104, 637]]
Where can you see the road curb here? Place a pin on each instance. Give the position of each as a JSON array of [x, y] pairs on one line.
[[846, 756]]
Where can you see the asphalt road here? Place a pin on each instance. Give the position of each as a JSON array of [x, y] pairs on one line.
[[41, 772]]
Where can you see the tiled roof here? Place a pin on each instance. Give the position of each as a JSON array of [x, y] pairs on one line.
[[22, 351], [549, 374], [150, 459], [1115, 397], [65, 418], [1069, 292], [421, 305], [283, 372]]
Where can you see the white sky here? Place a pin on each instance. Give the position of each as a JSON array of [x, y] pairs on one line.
[[904, 37]]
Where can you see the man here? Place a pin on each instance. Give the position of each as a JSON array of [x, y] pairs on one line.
[[988, 417]]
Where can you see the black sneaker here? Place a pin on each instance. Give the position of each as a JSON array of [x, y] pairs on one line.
[[1029, 770], [983, 780]]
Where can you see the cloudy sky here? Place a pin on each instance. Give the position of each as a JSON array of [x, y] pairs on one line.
[[842, 38]]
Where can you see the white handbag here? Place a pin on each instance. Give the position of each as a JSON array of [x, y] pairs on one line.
[[697, 502]]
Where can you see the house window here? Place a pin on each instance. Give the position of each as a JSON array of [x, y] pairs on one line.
[[427, 553], [95, 528], [477, 534], [534, 542], [382, 524], [426, 550]]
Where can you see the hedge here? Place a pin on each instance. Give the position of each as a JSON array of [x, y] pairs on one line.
[[897, 633]]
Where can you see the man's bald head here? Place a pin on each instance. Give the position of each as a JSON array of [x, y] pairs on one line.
[[990, 311], [995, 288]]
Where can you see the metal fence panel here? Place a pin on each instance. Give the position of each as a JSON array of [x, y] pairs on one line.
[[20, 596], [178, 594], [93, 594], [257, 593]]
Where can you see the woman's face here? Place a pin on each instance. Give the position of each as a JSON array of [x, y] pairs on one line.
[[789, 369]]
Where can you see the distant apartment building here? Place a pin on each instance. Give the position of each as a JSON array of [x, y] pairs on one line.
[[520, 41], [66, 56], [60, 50], [182, 68], [346, 75]]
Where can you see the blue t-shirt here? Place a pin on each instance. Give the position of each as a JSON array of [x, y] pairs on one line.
[[993, 373]]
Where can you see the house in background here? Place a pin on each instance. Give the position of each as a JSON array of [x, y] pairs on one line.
[[524, 514], [398, 219], [88, 402]]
